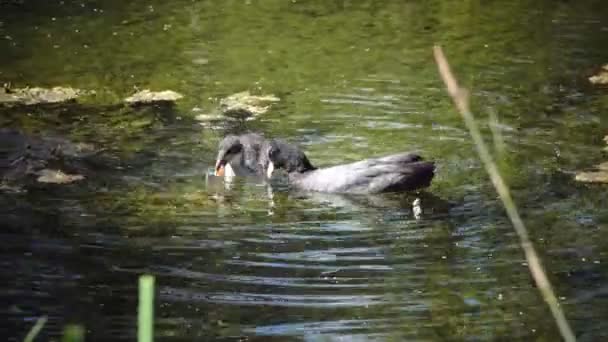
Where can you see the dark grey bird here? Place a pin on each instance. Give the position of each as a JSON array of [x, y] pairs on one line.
[[392, 173], [240, 155]]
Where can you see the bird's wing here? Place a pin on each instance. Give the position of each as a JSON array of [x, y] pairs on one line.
[[400, 177]]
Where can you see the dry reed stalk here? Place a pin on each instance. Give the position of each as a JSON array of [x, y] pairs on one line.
[[460, 97]]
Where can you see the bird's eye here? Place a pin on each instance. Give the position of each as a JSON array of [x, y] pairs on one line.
[[233, 150], [273, 152]]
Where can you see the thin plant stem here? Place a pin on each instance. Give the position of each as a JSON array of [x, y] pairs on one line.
[[145, 326], [461, 100], [31, 335]]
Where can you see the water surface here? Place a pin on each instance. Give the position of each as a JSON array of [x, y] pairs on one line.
[[356, 79]]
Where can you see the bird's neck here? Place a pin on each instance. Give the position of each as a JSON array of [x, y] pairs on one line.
[[229, 171], [302, 171], [303, 166], [309, 168], [236, 167]]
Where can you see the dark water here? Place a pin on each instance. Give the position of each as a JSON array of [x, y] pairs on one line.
[[356, 79]]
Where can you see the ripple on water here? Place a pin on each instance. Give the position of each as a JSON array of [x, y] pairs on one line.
[[312, 328], [243, 298], [323, 282]]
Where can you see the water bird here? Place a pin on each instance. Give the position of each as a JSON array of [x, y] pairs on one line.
[[240, 155], [392, 173]]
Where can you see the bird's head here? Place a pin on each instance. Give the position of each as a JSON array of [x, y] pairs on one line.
[[282, 155], [230, 150]]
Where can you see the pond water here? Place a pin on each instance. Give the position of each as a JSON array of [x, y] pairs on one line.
[[355, 79]]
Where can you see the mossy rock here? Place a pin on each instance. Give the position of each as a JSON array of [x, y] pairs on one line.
[[601, 77], [599, 175], [245, 105], [36, 95]]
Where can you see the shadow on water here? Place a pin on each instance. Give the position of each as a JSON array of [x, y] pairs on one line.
[[355, 79]]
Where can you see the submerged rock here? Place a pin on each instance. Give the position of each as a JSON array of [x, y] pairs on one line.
[[245, 105], [146, 96], [10, 189], [208, 117], [57, 177], [213, 121], [36, 95], [207, 120], [601, 77], [25, 159], [600, 176]]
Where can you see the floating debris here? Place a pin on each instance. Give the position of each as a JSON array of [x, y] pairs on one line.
[[36, 95], [57, 177], [601, 77], [147, 96], [244, 105]]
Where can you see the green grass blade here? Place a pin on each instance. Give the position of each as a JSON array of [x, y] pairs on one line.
[[145, 326], [31, 335]]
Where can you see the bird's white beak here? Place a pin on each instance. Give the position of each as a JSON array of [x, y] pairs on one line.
[[270, 169]]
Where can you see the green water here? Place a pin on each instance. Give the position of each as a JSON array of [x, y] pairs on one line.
[[356, 79]]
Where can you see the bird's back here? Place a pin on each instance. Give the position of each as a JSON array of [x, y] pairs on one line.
[[393, 173]]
